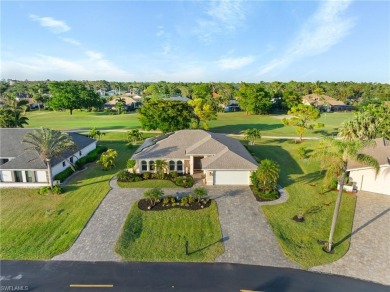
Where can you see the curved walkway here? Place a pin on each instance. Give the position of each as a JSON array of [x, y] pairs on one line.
[[97, 240], [247, 236], [368, 257]]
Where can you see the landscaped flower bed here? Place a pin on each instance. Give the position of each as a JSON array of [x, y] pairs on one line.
[[169, 202], [185, 181]]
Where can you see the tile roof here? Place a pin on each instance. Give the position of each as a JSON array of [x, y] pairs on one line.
[[381, 152], [11, 146], [225, 152], [321, 100]]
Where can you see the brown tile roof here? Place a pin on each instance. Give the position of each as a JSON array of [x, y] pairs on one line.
[[319, 100]]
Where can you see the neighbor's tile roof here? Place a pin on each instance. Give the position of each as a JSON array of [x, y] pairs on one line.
[[225, 152], [11, 146], [321, 99], [381, 152]]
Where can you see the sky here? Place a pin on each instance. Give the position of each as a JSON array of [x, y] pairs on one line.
[[196, 41]]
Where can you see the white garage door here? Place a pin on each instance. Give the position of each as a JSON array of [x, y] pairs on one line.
[[231, 177]]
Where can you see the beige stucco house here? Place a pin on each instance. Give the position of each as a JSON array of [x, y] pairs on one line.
[[364, 178], [221, 159]]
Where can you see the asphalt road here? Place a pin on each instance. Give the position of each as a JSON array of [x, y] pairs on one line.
[[64, 276]]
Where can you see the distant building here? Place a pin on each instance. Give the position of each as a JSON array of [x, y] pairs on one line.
[[326, 103]]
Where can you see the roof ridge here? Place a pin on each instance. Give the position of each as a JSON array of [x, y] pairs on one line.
[[200, 142]]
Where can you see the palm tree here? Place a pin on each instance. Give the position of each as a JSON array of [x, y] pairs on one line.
[[267, 174], [161, 166], [334, 156], [49, 144], [10, 118], [134, 136], [252, 135], [361, 127]]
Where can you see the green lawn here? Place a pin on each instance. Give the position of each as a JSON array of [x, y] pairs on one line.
[[161, 235], [150, 183], [234, 123], [81, 120], [39, 227], [302, 180]]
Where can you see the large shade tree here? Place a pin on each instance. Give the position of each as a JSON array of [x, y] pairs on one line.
[[334, 156], [49, 144], [254, 99], [165, 115]]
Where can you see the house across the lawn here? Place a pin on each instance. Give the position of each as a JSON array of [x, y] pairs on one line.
[[21, 168], [221, 159], [364, 177]]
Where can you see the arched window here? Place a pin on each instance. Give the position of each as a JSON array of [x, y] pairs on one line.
[[152, 166], [180, 165], [171, 165], [144, 165]]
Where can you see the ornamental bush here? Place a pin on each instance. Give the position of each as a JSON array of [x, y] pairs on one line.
[[185, 181]]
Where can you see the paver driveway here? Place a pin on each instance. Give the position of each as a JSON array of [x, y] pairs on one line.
[[368, 257], [247, 236]]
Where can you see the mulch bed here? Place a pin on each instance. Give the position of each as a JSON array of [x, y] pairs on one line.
[[261, 199], [143, 204]]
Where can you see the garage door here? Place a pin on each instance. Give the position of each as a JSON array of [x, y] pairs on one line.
[[231, 177]]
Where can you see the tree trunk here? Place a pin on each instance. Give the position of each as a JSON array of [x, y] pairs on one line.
[[337, 207], [71, 111], [49, 173]]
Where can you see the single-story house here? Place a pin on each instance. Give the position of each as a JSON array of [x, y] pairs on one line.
[[21, 168], [129, 103], [326, 103], [221, 159], [364, 178], [178, 98]]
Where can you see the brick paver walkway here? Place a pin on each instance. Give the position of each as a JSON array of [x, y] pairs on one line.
[[368, 257], [97, 240]]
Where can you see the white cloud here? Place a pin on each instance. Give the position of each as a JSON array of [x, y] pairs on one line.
[[324, 29], [41, 67], [70, 41], [223, 17], [54, 25], [235, 63]]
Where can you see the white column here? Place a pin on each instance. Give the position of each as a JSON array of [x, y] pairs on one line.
[[191, 165]]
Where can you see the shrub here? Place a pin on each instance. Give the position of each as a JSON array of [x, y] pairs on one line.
[[184, 202], [185, 181], [131, 164], [191, 199], [63, 175], [266, 196], [154, 195], [146, 175], [173, 200], [91, 156], [173, 175], [44, 190], [155, 175], [124, 176], [200, 193], [57, 190], [166, 201]]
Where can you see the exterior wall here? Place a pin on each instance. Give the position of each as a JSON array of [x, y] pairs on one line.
[[6, 176], [8, 179], [22, 185], [56, 169], [365, 180], [41, 176]]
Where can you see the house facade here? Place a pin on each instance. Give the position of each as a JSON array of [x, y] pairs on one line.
[[21, 168], [364, 178], [222, 160], [326, 103]]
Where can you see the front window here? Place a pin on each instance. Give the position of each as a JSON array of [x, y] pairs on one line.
[[180, 166], [151, 165], [63, 163], [18, 176], [30, 176], [144, 165], [171, 165], [71, 159]]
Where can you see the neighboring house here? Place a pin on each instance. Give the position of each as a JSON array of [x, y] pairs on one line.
[[232, 106], [221, 159], [326, 103], [129, 102], [21, 168], [364, 178]]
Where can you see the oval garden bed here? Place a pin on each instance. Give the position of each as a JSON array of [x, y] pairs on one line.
[[173, 202]]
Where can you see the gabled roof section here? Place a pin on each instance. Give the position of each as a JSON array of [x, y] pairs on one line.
[[381, 152], [223, 152]]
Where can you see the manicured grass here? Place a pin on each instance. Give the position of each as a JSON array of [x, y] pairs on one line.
[[39, 227], [81, 120], [271, 125], [303, 181], [150, 183], [235, 123], [161, 235]]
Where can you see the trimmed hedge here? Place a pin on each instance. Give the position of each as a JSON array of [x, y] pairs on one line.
[[63, 175]]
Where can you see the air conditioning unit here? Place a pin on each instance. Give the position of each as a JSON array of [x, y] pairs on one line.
[[56, 182]]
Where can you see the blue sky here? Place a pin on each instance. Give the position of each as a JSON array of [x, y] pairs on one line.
[[229, 41]]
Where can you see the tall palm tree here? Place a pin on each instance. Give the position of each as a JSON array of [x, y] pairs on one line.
[[334, 156], [267, 173], [49, 144]]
